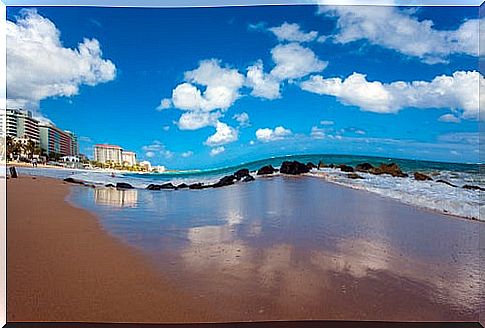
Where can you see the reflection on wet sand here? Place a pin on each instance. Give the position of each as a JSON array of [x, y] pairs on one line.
[[305, 249], [116, 197]]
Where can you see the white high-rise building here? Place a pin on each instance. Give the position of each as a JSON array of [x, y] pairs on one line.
[[129, 158], [108, 153], [19, 123]]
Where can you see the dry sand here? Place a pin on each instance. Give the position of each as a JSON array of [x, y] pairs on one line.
[[63, 267]]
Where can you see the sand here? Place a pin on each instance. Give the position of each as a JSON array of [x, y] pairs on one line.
[[63, 267]]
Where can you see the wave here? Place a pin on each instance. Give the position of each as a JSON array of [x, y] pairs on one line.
[[430, 195]]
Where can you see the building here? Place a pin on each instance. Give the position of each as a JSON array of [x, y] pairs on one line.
[[128, 157], [56, 141], [146, 165], [108, 153], [19, 123]]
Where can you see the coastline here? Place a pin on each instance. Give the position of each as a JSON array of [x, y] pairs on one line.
[[62, 266], [68, 267]]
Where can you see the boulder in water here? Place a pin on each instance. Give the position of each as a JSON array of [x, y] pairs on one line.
[[239, 174], [182, 186], [72, 180], [197, 185], [345, 168], [364, 167], [446, 182], [471, 187], [124, 185], [310, 165], [391, 169], [354, 176], [268, 169], [421, 176], [248, 178], [225, 181], [293, 168], [109, 185]]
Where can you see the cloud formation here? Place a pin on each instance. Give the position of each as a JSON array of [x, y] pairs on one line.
[[459, 92], [39, 66], [400, 30], [155, 149], [224, 135], [267, 134], [294, 61], [216, 151], [293, 33]]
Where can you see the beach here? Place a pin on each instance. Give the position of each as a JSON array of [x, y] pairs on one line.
[[279, 248], [62, 266]]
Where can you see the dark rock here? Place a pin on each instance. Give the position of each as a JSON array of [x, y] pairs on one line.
[[72, 180], [268, 169], [239, 174], [293, 168], [197, 185], [182, 186], [364, 167], [354, 176], [446, 182], [471, 187], [168, 186], [421, 177], [321, 164], [225, 181], [248, 178], [345, 168], [331, 166], [123, 185], [152, 186], [110, 185], [310, 165], [392, 169]]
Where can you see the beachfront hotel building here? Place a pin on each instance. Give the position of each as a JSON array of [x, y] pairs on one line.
[[19, 123], [108, 153], [128, 157], [56, 141]]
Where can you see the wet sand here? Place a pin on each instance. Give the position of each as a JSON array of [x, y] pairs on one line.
[[61, 265], [274, 249]]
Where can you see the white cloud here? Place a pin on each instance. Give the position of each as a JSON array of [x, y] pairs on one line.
[[197, 120], [317, 133], [267, 134], [164, 104], [294, 61], [217, 150], [263, 85], [156, 148], [39, 66], [242, 118], [449, 118], [324, 122], [224, 135], [293, 33], [187, 154], [399, 30], [221, 88], [458, 92]]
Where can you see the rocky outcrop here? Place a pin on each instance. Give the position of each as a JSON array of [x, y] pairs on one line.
[[293, 168], [354, 176], [364, 167], [225, 181], [123, 185], [391, 169], [248, 178], [182, 186], [321, 165], [268, 169], [72, 180], [421, 176], [446, 182], [472, 187], [239, 174], [310, 165], [197, 185], [160, 187], [345, 168], [109, 185]]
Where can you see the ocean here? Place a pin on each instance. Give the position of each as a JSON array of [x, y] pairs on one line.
[[429, 195]]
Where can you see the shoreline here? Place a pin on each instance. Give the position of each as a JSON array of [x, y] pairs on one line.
[[63, 266], [62, 270]]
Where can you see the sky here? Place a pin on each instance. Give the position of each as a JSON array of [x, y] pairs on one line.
[[209, 87]]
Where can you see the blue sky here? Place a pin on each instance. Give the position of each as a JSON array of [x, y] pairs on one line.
[[325, 82]]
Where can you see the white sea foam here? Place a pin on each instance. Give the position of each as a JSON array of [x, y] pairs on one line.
[[425, 194]]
